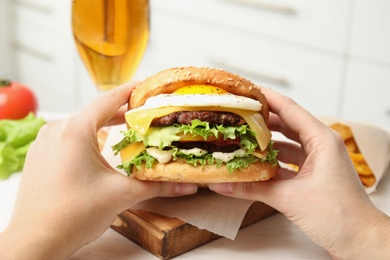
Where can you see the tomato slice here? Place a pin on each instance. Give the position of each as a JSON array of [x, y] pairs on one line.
[[212, 139], [198, 138]]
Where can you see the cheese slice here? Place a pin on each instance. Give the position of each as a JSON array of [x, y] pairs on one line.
[[140, 120], [259, 154], [132, 150]]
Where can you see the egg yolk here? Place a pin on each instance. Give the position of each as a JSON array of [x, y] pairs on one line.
[[200, 89]]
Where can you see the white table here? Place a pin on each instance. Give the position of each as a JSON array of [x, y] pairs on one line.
[[272, 238]]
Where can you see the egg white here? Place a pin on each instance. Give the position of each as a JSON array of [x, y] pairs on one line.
[[200, 100]]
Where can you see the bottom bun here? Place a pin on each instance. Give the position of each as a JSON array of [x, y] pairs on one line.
[[183, 172]]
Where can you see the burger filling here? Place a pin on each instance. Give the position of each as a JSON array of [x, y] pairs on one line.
[[228, 133], [197, 137]]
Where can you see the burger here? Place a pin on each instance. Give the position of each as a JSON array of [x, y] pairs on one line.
[[197, 125]]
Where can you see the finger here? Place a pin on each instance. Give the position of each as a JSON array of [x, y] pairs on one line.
[[134, 191], [172, 189], [295, 118], [264, 191], [285, 174], [289, 152], [105, 107], [275, 124], [119, 117]]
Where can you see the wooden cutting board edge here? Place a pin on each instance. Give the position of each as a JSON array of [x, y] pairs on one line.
[[167, 237]]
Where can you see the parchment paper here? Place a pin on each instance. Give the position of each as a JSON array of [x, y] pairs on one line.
[[223, 215], [206, 210], [374, 143]]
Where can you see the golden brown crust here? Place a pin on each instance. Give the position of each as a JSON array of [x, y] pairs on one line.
[[167, 81], [179, 171]]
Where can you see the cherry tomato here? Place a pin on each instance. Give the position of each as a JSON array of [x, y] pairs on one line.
[[16, 100]]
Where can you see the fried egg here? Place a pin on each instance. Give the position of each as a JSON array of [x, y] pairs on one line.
[[200, 96]]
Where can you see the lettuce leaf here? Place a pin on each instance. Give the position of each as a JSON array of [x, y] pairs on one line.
[[155, 136], [197, 128], [162, 137], [15, 139], [272, 154], [143, 157], [240, 162]]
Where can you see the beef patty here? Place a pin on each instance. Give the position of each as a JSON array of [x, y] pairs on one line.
[[185, 117]]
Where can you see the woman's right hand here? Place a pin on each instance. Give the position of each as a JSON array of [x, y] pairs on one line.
[[325, 197]]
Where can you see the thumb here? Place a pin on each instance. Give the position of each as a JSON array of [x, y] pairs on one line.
[[151, 189]]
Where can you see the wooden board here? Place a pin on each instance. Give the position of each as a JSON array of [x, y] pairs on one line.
[[167, 237]]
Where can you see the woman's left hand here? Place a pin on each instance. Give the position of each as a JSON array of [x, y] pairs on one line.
[[69, 195]]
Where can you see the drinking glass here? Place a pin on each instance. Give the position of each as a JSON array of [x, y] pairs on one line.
[[111, 37]]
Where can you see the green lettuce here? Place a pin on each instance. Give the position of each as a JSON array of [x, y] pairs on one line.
[[15, 139], [163, 137]]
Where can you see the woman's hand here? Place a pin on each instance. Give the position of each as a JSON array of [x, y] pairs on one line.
[[325, 197], [69, 195]]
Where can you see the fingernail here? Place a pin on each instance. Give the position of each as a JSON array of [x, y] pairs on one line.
[[185, 189], [221, 187]]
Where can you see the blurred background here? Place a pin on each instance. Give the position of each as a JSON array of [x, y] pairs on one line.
[[331, 56]]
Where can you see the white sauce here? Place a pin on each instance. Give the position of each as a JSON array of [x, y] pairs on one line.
[[162, 156], [200, 100], [195, 151], [228, 156]]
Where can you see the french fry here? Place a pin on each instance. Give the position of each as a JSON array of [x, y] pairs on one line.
[[351, 145], [293, 167], [360, 164], [344, 131], [364, 171], [368, 181]]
